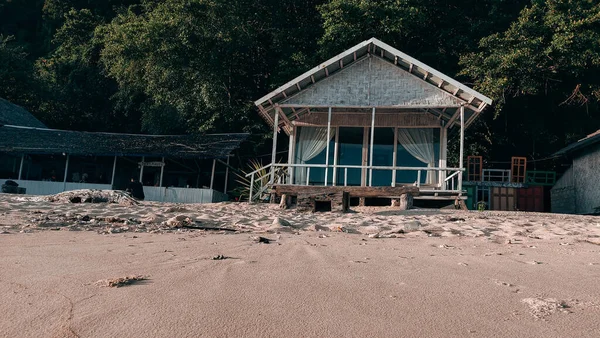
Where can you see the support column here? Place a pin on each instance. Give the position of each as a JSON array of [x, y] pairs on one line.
[[274, 150], [212, 175], [443, 156], [327, 151], [462, 146], [142, 169], [292, 154], [336, 146], [112, 178], [395, 156], [21, 166], [162, 171], [371, 147], [66, 171], [365, 160], [226, 175]]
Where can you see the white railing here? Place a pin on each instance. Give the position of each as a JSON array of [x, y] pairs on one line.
[[447, 179]]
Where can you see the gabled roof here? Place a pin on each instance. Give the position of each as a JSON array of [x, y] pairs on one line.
[[474, 101], [24, 140], [18, 116], [587, 141]]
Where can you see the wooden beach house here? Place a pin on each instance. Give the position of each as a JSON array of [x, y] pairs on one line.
[[370, 117]]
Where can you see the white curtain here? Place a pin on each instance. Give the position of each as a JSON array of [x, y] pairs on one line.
[[311, 142], [419, 143]]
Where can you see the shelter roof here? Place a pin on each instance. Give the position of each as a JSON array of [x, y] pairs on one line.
[[16, 115], [436, 92], [587, 141], [25, 140]]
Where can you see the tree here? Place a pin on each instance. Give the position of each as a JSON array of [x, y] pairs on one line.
[[543, 72]]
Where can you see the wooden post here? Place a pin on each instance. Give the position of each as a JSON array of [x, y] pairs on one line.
[[371, 147], [345, 177], [443, 155], [365, 153], [66, 171], [162, 171], [142, 169], [292, 154], [395, 156], [251, 188], [462, 146], [212, 175], [335, 154], [21, 166], [226, 175], [274, 150], [327, 151], [112, 178]]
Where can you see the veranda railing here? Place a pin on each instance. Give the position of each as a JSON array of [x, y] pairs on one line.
[[449, 177]]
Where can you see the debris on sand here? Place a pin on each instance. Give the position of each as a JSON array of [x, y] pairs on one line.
[[543, 307], [219, 258], [92, 196], [260, 239], [121, 281]]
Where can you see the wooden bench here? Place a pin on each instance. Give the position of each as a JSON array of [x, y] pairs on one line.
[[310, 197]]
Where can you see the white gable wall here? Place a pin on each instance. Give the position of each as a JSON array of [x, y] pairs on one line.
[[373, 82]]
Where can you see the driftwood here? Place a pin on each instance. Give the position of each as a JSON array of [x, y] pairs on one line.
[[92, 196]]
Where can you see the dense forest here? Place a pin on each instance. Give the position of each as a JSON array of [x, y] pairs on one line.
[[181, 66]]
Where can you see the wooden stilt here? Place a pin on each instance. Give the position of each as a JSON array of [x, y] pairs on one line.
[[462, 146], [21, 166], [226, 176], [162, 171], [371, 147], [112, 178], [212, 175], [327, 151], [142, 169]]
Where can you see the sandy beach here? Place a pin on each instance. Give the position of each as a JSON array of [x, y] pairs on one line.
[[376, 272]]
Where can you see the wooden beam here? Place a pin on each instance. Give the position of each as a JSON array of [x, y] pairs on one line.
[[336, 146], [354, 56], [226, 176], [142, 169], [162, 172], [395, 156], [441, 84], [425, 76], [274, 149], [462, 146], [371, 147], [312, 78], [303, 190], [341, 63], [212, 174], [327, 147], [410, 68], [326, 71], [112, 178], [298, 86], [21, 166]]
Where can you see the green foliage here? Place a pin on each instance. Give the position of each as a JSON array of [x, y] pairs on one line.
[[17, 83], [261, 181], [179, 66], [554, 46]]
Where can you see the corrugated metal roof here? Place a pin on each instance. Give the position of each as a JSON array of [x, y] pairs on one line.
[[587, 141], [25, 140]]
